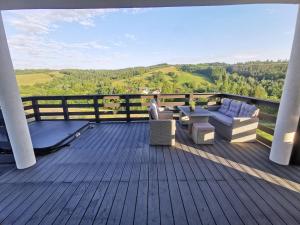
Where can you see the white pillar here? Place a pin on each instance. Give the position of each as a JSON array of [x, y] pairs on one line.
[[289, 109], [12, 108]]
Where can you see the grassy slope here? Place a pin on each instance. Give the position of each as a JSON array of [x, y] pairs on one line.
[[29, 79], [182, 76]]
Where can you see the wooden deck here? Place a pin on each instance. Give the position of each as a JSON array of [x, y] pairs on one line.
[[110, 175]]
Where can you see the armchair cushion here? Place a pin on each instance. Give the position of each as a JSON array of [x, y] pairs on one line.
[[225, 105], [234, 109], [153, 111]]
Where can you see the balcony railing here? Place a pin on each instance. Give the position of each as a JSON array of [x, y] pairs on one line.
[[133, 107]]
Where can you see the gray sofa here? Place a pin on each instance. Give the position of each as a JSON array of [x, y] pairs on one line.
[[235, 121]]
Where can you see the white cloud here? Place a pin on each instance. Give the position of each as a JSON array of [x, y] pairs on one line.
[[130, 37], [32, 46], [41, 52], [45, 21], [136, 10]]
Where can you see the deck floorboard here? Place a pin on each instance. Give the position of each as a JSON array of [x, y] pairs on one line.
[[110, 175]]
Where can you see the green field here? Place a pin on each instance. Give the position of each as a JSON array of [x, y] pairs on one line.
[[29, 79]]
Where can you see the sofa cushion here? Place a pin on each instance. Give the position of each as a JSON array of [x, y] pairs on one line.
[[234, 109], [153, 111], [248, 110], [226, 120], [225, 105]]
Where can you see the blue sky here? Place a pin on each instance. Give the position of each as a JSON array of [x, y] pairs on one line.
[[118, 38]]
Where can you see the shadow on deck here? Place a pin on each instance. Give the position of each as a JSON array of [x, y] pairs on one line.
[[110, 175]]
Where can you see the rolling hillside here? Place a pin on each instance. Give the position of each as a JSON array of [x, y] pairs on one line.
[[29, 79], [165, 79], [258, 79]]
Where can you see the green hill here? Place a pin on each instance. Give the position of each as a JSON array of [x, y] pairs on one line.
[[258, 79], [163, 78]]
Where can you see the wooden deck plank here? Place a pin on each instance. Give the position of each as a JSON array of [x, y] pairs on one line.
[[37, 217], [130, 203], [213, 204], [270, 189], [189, 205], [117, 207], [153, 203], [31, 205], [166, 213], [228, 210], [110, 175], [104, 210]]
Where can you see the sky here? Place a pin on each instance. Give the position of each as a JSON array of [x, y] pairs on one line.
[[120, 38]]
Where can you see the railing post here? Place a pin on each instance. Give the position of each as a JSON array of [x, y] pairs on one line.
[[156, 98], [127, 105], [65, 108], [188, 98], [96, 108], [36, 109]]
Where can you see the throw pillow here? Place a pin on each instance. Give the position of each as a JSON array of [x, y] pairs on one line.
[[225, 105], [234, 109]]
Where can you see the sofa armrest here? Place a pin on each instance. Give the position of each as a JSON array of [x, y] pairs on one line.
[[244, 121], [165, 115], [213, 107]]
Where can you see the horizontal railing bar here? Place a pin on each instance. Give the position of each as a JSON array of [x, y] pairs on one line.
[[81, 113], [111, 112], [267, 117], [139, 111], [31, 115], [264, 140], [28, 107], [81, 105], [51, 113], [48, 106], [266, 129], [71, 97]]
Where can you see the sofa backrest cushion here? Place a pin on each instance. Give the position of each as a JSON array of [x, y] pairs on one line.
[[234, 109], [225, 105], [248, 110], [153, 111]]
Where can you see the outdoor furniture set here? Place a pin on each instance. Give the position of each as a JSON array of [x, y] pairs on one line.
[[233, 120]]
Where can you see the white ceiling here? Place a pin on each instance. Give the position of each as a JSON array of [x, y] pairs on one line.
[[85, 4]]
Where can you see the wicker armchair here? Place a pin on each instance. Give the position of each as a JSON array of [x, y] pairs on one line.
[[162, 131]]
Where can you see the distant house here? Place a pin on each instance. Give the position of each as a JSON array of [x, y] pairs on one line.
[[156, 92]]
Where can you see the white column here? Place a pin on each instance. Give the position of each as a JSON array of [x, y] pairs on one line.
[[12, 108], [289, 109]]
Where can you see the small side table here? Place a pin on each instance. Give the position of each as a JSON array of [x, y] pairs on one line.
[[203, 133]]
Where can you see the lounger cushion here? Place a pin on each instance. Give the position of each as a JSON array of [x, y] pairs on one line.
[[225, 105], [234, 109], [153, 111], [226, 120], [248, 110]]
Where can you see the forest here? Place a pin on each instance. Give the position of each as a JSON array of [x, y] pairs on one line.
[[258, 79]]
